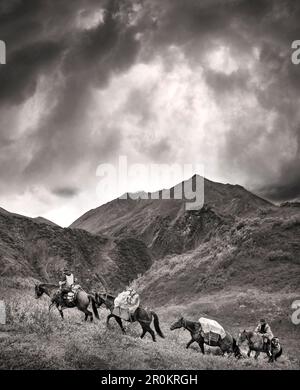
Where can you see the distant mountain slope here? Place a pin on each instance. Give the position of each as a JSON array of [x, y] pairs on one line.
[[31, 248], [44, 220], [165, 226], [261, 253]]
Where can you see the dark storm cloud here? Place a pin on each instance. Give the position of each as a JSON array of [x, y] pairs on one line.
[[66, 192], [57, 48], [95, 54], [222, 83], [86, 58], [19, 80], [270, 27]]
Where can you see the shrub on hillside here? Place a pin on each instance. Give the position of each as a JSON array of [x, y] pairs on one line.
[[293, 222], [29, 317], [280, 255]]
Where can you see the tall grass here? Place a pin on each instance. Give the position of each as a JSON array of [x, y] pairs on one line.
[[36, 340]]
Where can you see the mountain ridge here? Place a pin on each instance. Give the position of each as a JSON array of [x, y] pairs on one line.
[[31, 248], [160, 222]]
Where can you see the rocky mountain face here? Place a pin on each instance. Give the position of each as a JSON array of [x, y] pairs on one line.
[[236, 240], [39, 249], [261, 253], [165, 226]]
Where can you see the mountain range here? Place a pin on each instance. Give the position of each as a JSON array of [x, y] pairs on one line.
[[235, 239]]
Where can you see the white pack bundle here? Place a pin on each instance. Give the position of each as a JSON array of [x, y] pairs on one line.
[[213, 326]]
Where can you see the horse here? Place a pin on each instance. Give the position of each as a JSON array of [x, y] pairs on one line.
[[141, 315], [256, 343], [82, 300], [227, 344], [276, 349]]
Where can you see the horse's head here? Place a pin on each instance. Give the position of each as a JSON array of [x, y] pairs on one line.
[[275, 342], [101, 298], [242, 337], [178, 324], [98, 299], [39, 291]]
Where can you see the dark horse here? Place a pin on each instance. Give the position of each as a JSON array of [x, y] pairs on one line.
[[228, 344], [140, 315], [82, 300], [256, 343]]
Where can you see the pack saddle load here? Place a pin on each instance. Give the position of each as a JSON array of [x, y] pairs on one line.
[[70, 297], [126, 304], [211, 330]]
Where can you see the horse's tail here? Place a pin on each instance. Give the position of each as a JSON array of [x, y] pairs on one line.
[[236, 348], [156, 325], [92, 299]]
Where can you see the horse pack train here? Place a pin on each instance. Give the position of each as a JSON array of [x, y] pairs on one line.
[[126, 306]]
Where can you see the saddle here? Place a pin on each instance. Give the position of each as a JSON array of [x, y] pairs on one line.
[[69, 296]]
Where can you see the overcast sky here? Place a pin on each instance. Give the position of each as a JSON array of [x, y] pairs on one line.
[[206, 82]]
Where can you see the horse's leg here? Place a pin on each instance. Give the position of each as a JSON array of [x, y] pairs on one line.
[[146, 328], [60, 311], [256, 354], [143, 333], [51, 305], [249, 353], [119, 321], [201, 345], [87, 313], [223, 350], [189, 343], [108, 318], [151, 332]]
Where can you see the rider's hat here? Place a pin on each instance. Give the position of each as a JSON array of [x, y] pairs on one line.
[[263, 321], [66, 271]]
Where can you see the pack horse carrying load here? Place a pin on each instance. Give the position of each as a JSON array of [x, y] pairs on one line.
[[211, 331], [126, 304]]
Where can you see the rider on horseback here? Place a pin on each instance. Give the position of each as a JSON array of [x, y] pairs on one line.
[[264, 329], [67, 286], [67, 282]]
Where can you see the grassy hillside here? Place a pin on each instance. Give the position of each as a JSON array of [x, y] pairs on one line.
[[254, 252], [34, 340], [235, 260], [41, 250]]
